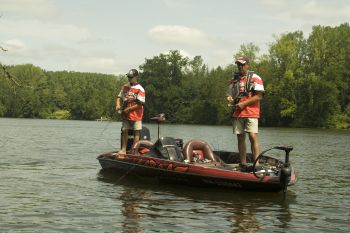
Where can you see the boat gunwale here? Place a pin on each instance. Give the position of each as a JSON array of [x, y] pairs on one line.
[[234, 175]]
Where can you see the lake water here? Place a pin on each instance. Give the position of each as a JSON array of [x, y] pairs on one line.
[[50, 181]]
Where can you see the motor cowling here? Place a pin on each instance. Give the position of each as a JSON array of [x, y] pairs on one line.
[[286, 173]]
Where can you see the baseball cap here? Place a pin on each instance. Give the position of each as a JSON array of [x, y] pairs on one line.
[[242, 60], [132, 73]]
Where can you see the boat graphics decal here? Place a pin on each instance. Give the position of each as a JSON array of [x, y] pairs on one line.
[[222, 183], [155, 163]]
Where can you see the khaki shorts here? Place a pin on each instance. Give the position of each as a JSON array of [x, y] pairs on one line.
[[135, 125], [245, 124]]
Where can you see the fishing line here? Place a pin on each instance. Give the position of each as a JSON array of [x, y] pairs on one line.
[[5, 142], [106, 127]]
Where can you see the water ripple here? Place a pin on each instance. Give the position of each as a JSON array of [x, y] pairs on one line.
[[51, 182]]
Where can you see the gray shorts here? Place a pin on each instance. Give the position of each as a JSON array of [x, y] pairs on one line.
[[135, 125], [245, 124]]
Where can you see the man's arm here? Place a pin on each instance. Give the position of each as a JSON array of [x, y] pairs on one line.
[[117, 104], [229, 93], [256, 98], [138, 105]]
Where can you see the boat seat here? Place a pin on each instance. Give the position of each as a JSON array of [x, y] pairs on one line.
[[141, 147], [168, 148], [200, 149]]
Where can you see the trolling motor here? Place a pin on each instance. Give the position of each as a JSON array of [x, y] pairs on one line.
[[159, 118], [286, 171]]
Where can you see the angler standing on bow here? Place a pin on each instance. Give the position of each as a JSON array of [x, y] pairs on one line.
[[133, 97], [245, 92]]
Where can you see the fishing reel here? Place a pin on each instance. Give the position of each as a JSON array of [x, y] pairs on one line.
[[237, 76]]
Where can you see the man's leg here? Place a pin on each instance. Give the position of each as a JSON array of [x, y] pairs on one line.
[[242, 148], [124, 141], [252, 129], [238, 128], [137, 126], [137, 134], [254, 143]]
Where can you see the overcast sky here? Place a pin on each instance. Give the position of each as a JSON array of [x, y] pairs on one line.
[[112, 36]]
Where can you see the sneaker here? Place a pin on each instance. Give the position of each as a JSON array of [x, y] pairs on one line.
[[259, 167], [245, 167], [248, 167]]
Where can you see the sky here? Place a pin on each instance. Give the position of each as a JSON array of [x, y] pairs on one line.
[[113, 36]]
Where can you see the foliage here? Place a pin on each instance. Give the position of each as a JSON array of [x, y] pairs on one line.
[[60, 114], [43, 94], [307, 84]]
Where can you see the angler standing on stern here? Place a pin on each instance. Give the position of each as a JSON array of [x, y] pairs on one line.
[[245, 92], [133, 97]]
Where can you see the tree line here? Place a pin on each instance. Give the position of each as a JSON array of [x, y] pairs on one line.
[[307, 84]]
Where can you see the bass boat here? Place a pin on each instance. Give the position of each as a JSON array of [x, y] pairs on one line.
[[196, 163]]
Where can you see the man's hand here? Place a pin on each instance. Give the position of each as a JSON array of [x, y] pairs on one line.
[[240, 106], [117, 108], [229, 99], [125, 113]]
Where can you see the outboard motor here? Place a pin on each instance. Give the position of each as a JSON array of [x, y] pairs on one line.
[[168, 149], [144, 135]]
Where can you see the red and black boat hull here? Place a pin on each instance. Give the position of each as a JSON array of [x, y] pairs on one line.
[[212, 174]]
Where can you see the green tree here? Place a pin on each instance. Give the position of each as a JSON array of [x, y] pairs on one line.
[[283, 69], [161, 77]]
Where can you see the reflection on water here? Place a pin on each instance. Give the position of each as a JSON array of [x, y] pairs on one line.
[[50, 181], [131, 199], [244, 220], [241, 208]]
